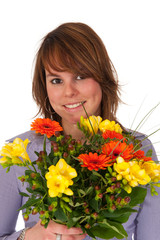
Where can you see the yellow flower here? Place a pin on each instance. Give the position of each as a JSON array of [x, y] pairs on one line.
[[59, 178], [152, 169], [110, 125], [57, 184], [66, 170], [121, 167], [132, 172], [138, 175], [15, 152], [91, 124]]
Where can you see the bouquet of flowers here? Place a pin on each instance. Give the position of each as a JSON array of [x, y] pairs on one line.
[[94, 185]]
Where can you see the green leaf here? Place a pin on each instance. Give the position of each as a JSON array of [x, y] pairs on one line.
[[60, 215], [118, 213], [81, 192], [46, 225], [28, 172], [120, 216], [24, 194], [39, 191], [149, 153], [29, 203], [34, 162], [99, 175], [124, 218], [89, 232], [48, 159], [108, 230], [89, 190], [8, 169], [102, 232], [137, 195], [77, 204], [85, 218], [73, 221], [29, 190], [94, 204], [37, 153]]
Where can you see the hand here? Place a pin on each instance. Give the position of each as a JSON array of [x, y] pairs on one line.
[[41, 233]]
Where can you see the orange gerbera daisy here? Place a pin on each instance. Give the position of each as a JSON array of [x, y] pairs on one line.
[[112, 135], [45, 126], [114, 149], [141, 156], [93, 161]]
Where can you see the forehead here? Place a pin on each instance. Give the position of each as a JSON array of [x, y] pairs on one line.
[[53, 72], [61, 58], [59, 61], [56, 64]]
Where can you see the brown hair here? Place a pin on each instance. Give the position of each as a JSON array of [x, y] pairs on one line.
[[76, 48]]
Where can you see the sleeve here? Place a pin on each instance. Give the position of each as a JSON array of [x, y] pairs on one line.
[[10, 186], [148, 218], [10, 201]]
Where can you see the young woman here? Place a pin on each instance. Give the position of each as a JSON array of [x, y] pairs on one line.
[[72, 67]]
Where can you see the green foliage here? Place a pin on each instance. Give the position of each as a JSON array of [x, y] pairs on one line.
[[108, 230], [149, 153]]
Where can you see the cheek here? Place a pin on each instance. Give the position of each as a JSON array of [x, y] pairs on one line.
[[98, 97], [53, 95], [95, 91]]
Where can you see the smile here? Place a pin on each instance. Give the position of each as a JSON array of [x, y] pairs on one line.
[[73, 105]]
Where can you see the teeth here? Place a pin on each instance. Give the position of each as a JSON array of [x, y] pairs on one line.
[[73, 105]]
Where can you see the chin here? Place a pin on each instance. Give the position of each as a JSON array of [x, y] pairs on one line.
[[75, 119]]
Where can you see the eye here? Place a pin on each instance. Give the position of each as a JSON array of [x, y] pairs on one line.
[[56, 81], [79, 77]]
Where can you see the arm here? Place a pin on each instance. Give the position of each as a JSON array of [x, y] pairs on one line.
[[148, 219], [10, 201]]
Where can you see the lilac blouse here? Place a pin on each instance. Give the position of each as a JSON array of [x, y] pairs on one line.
[[142, 225]]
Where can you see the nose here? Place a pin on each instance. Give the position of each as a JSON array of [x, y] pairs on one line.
[[70, 89]]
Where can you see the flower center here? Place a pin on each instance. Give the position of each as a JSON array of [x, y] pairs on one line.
[[46, 126], [94, 161], [116, 154]]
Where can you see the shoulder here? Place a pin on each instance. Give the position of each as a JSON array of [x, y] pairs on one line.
[[35, 143], [31, 135], [145, 142], [138, 135]]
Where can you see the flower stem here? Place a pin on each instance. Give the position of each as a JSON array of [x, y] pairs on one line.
[[88, 118], [43, 197], [44, 149], [33, 167]]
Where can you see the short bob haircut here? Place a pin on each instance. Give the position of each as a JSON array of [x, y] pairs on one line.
[[76, 48]]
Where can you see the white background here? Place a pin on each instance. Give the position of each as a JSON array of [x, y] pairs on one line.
[[130, 31]]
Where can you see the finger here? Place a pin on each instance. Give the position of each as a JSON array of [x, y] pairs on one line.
[[73, 236], [63, 229]]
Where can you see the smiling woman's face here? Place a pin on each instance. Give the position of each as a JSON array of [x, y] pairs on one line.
[[67, 91]]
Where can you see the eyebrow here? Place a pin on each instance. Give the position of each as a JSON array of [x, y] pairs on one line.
[[52, 74]]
